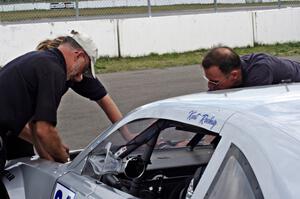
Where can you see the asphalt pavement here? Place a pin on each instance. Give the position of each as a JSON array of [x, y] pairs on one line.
[[81, 120]]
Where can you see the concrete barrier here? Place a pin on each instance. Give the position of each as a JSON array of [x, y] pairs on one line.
[[18, 39], [142, 36], [277, 26]]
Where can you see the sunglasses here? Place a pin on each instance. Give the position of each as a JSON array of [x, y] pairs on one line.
[[215, 83]]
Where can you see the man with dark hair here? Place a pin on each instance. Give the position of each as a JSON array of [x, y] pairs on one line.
[[225, 69], [31, 87]]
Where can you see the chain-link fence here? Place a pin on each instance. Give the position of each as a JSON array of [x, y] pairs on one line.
[[17, 10]]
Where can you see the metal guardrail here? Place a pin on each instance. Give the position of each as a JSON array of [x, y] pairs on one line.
[[16, 10]]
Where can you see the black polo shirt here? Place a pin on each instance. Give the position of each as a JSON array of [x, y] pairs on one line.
[[31, 87], [263, 69], [89, 87]]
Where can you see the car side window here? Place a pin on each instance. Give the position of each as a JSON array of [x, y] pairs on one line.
[[235, 178], [173, 138]]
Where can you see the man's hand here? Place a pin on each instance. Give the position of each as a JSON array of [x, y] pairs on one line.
[[66, 148]]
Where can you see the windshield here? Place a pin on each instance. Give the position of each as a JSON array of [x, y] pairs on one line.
[[103, 158], [123, 135]]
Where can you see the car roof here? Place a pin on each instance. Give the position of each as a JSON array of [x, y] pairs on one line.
[[278, 104], [263, 121], [274, 108]]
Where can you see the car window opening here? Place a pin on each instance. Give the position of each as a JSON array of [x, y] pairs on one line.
[[159, 162]]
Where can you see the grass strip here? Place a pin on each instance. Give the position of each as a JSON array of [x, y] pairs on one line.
[[108, 65]]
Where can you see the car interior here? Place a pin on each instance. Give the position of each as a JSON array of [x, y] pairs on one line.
[[160, 162]]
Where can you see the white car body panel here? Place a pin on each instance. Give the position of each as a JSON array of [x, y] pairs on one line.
[[263, 122]]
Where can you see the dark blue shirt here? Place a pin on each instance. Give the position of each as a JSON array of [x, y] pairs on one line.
[[263, 69]]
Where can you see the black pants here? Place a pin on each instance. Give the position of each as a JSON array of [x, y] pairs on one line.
[[3, 192], [11, 147], [3, 140], [17, 148]]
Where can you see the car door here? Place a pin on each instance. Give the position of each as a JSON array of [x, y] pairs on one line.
[[75, 186]]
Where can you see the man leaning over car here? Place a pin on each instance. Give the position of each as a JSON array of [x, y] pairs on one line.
[[90, 87], [225, 69], [31, 87]]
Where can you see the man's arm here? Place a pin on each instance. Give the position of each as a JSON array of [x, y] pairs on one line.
[[27, 134], [110, 108], [48, 143], [114, 115]]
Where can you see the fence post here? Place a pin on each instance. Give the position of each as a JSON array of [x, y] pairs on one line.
[[149, 8], [215, 5], [77, 9]]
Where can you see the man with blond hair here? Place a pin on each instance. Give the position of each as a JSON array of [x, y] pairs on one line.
[[89, 87], [31, 87]]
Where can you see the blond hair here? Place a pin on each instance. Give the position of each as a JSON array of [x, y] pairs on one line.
[[50, 43]]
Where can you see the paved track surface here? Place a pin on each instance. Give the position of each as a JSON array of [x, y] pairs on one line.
[[81, 120]]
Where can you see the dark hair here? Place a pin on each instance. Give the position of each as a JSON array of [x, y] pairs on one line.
[[223, 57]]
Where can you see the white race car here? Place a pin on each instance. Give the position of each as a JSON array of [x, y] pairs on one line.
[[231, 144]]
